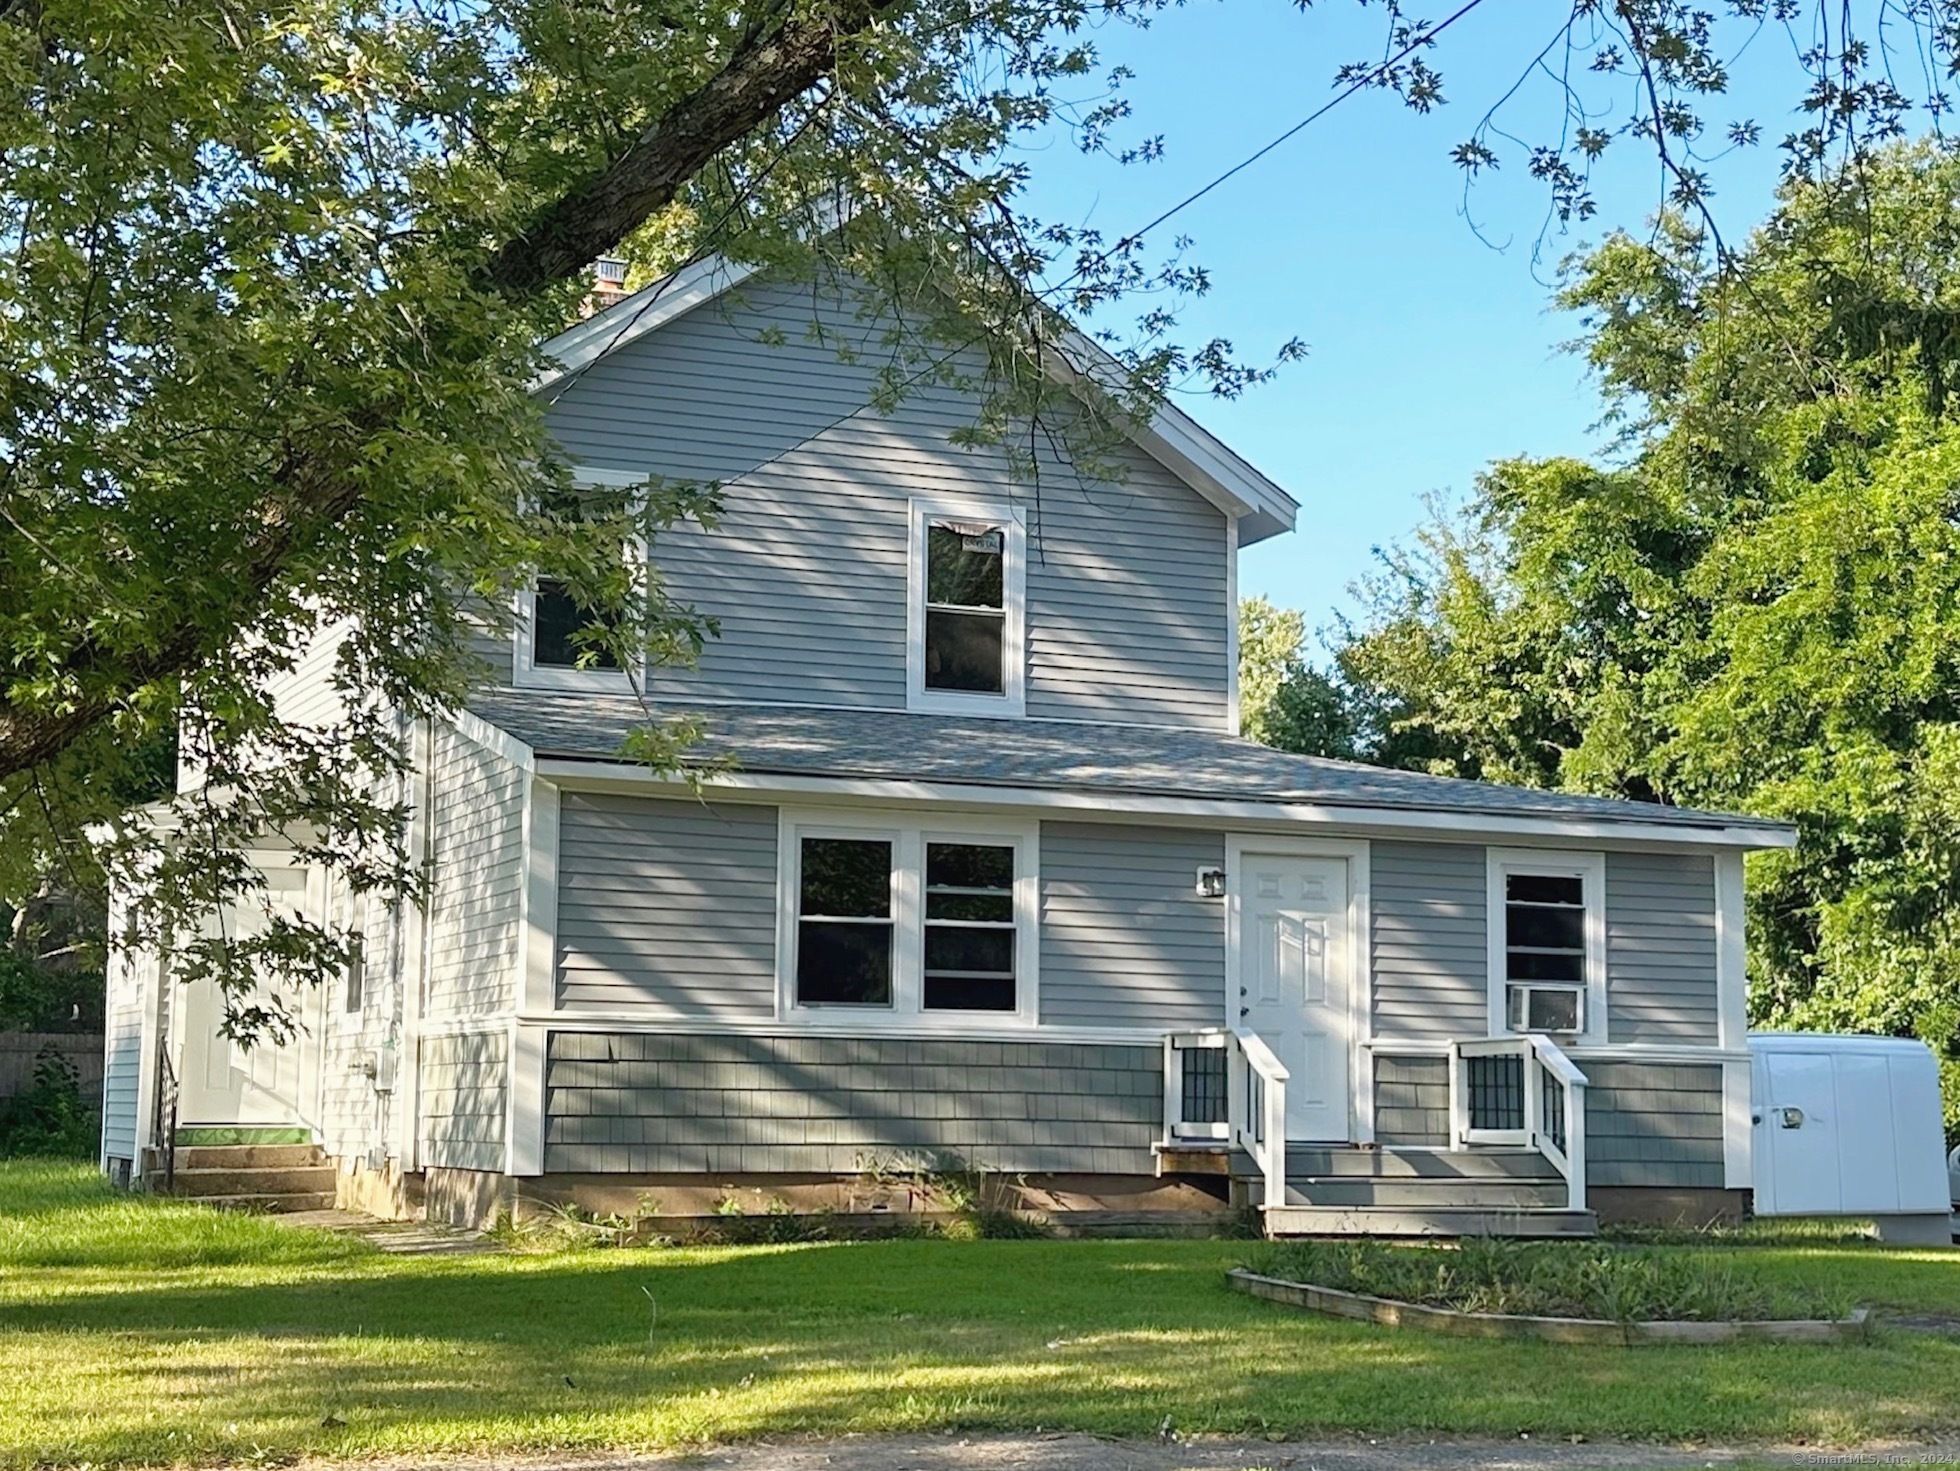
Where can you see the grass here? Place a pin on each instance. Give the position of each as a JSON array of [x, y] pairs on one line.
[[136, 1330], [1560, 1279]]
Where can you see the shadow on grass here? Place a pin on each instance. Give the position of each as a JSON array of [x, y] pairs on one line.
[[660, 1349]]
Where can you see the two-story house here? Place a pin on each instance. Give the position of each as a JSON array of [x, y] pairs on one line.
[[991, 876]]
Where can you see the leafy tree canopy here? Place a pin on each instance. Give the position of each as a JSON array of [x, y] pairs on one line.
[[1757, 606], [274, 272]]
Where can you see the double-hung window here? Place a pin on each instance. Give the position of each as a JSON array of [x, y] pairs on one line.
[[554, 648], [898, 924], [1548, 943], [966, 622]]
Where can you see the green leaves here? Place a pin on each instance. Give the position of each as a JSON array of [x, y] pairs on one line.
[[1760, 609]]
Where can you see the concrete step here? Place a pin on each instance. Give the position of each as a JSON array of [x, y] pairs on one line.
[[271, 1203], [248, 1156], [1441, 1194], [1301, 1220], [205, 1184]]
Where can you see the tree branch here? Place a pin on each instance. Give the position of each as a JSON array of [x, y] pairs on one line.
[[757, 82]]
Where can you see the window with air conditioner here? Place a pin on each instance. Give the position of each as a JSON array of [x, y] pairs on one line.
[[1547, 943]]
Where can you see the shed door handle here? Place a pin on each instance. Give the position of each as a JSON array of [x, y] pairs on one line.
[[1792, 1118]]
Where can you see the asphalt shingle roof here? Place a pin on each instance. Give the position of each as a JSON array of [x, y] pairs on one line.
[[1043, 754]]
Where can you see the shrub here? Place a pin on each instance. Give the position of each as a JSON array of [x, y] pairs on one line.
[[1552, 1279], [50, 1118]]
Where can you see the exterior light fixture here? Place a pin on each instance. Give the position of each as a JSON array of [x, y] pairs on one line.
[[1211, 883]]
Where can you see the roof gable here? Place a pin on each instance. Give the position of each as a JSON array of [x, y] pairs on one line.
[[1189, 451]]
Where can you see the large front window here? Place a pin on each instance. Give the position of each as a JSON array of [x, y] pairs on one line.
[[889, 923], [844, 923], [965, 625]]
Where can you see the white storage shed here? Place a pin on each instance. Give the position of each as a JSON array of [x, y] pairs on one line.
[[1850, 1126]]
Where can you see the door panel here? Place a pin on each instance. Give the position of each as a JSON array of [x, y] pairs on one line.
[[1801, 1123], [224, 1083], [1294, 983]]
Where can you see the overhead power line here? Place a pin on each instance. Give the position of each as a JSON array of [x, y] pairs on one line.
[[1135, 237]]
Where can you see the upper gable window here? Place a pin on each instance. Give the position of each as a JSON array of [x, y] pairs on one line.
[[965, 624], [549, 651]]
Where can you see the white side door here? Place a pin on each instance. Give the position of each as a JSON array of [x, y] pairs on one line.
[[1294, 982], [222, 1083]]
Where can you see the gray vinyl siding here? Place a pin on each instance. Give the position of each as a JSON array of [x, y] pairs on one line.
[[122, 1054], [695, 1104], [1126, 589], [1125, 939], [1431, 961], [464, 1098], [666, 905], [1654, 1124], [1660, 948], [1412, 1100], [478, 817], [354, 1117]]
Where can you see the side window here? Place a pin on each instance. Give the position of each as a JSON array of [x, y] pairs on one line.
[[554, 649], [1547, 918], [965, 634]]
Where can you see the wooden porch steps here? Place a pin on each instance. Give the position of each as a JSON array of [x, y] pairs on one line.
[[1347, 1190], [255, 1177]]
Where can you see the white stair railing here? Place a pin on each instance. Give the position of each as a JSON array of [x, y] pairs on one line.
[[1259, 1112], [1524, 1091]]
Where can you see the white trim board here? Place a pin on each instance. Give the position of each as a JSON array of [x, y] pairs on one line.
[[646, 310], [972, 1030], [618, 776]]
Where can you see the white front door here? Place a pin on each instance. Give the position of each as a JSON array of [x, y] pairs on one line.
[[220, 1082], [1294, 982]]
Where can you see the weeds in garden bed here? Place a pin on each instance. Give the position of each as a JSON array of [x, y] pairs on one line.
[[1552, 1279]]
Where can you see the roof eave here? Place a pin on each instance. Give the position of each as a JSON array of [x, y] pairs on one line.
[[606, 772]]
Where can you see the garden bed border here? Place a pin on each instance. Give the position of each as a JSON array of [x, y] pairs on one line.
[[1336, 1304]]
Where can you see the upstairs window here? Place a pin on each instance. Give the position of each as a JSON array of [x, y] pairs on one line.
[[554, 649], [965, 630], [557, 620], [907, 925], [1548, 964]]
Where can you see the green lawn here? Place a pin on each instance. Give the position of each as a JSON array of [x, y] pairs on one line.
[[138, 1330]]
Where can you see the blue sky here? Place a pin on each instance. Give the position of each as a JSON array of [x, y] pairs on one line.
[[1430, 353]]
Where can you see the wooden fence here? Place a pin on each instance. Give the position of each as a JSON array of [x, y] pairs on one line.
[[19, 1051]]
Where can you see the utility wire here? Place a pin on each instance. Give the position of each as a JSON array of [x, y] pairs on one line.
[[1135, 237]]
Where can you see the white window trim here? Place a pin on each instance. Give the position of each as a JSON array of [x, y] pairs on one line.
[[1012, 702], [908, 836], [1590, 869], [526, 673]]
